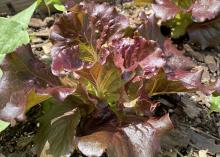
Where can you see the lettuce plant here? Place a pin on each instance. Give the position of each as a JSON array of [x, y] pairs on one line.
[[199, 18], [99, 87]]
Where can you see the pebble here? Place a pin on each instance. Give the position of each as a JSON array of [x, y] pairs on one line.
[[38, 125], [47, 47], [205, 75], [213, 79], [170, 110], [211, 63], [195, 54], [218, 124], [198, 120]]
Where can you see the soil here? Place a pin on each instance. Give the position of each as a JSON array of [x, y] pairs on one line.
[[196, 133]]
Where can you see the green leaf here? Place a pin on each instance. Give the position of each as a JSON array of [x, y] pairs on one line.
[[58, 127], [59, 7], [14, 30], [88, 53], [104, 81], [24, 16], [56, 3], [13, 35], [179, 24], [48, 2], [39, 2], [215, 103], [34, 98], [3, 125]]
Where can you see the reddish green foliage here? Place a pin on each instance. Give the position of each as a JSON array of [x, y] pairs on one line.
[[137, 54], [58, 127], [150, 30], [199, 18], [205, 10], [103, 77], [126, 141], [25, 82], [79, 37], [206, 33], [166, 10]]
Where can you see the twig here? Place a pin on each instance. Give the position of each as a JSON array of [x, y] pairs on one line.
[[197, 149], [204, 133], [181, 155], [200, 131]]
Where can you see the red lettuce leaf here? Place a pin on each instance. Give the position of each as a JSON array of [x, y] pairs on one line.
[[205, 10], [179, 15], [137, 54], [26, 81], [150, 30], [138, 59], [165, 10], [173, 14], [206, 34], [180, 81], [132, 140], [176, 76], [58, 127], [78, 37], [157, 71], [175, 59]]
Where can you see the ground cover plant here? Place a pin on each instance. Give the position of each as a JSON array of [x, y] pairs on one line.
[[98, 91]]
